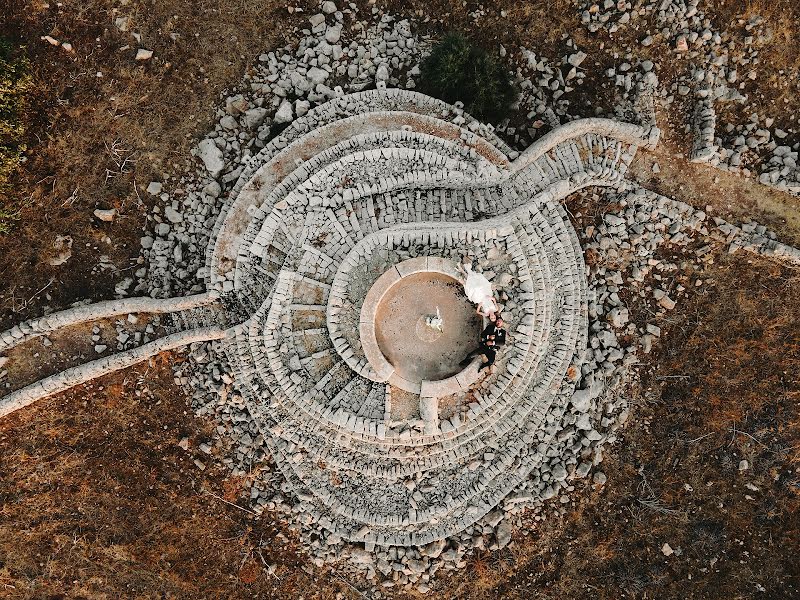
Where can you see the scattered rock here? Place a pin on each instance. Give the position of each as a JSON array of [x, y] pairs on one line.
[[577, 58], [211, 156], [63, 248], [285, 112], [173, 216], [254, 117], [503, 534], [106, 215]]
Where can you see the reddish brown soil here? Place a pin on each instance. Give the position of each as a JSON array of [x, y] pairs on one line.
[[722, 390], [98, 501]]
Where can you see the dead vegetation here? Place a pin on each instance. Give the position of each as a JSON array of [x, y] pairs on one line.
[[101, 126], [721, 391], [98, 501]]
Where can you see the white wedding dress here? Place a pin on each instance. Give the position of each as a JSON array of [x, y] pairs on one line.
[[479, 291]]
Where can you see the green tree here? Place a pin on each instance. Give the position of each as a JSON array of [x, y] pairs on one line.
[[456, 69]]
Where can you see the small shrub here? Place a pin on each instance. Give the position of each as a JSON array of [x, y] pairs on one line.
[[15, 83], [457, 69]]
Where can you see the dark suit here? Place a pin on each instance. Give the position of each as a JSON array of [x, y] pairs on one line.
[[498, 332], [488, 351]]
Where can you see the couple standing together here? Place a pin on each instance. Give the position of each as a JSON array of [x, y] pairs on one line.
[[479, 291]]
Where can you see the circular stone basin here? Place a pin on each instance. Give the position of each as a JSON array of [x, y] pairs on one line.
[[417, 351]]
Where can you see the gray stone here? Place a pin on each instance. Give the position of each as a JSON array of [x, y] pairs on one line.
[[333, 34], [285, 112], [577, 58], [316, 20], [173, 216], [382, 73], [317, 75], [254, 117], [504, 531], [212, 157], [107, 215]]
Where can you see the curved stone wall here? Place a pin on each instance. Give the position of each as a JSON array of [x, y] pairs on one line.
[[373, 183], [316, 219]]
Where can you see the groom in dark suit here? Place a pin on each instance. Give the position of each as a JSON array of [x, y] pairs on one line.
[[495, 329], [492, 337]]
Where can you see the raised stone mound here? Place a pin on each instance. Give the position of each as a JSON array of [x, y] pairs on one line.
[[383, 184]]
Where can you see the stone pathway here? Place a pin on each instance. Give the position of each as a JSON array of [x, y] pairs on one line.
[[391, 174]]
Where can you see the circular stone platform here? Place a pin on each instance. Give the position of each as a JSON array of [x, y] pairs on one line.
[[415, 350], [308, 252]]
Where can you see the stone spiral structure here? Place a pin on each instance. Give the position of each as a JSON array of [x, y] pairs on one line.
[[369, 184], [377, 183]]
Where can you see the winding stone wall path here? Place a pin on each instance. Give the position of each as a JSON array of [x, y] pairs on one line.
[[354, 189], [102, 366], [33, 328]]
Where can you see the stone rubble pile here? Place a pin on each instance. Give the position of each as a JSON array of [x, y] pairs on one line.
[[545, 92], [719, 64]]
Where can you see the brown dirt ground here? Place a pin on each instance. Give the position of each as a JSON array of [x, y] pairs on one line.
[[721, 388], [98, 501]]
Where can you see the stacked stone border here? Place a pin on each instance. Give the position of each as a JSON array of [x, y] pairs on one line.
[[396, 168], [383, 369]]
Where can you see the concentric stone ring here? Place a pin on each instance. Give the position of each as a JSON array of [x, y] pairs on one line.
[[361, 193]]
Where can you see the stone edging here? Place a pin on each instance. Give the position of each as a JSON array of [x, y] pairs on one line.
[[97, 368], [33, 328], [627, 133], [383, 371]]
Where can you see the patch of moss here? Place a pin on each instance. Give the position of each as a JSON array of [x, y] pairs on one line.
[[456, 69], [15, 84]]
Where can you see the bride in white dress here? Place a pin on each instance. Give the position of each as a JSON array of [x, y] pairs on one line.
[[479, 291]]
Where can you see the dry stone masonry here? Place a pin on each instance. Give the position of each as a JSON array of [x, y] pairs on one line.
[[326, 181], [363, 185], [360, 187]]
